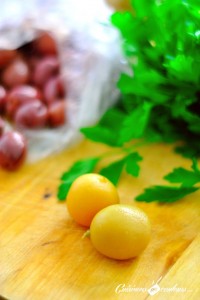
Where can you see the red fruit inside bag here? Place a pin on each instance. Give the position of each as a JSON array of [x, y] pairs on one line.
[[12, 150], [32, 96]]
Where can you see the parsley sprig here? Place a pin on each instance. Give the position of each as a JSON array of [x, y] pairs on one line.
[[186, 179]]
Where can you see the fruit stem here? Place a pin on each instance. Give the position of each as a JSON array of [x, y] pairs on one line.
[[86, 234]]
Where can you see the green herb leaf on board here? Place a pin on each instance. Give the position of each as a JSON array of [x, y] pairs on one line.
[[194, 166], [78, 168], [165, 193], [132, 166], [113, 171], [63, 190], [185, 177]]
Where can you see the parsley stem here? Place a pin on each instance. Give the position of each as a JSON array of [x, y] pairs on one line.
[[125, 149], [111, 153], [135, 146]]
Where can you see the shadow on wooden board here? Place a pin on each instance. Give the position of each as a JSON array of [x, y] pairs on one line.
[[2, 298]]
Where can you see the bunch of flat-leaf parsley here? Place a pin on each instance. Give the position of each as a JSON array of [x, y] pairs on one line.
[[160, 101]]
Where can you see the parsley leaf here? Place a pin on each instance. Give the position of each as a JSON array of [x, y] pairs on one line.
[[113, 171], [78, 168], [195, 167], [165, 193], [113, 118], [101, 135], [63, 190], [185, 177], [170, 194], [140, 84], [107, 130], [135, 123], [132, 166]]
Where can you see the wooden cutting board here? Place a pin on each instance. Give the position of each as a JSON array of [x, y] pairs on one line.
[[43, 254]]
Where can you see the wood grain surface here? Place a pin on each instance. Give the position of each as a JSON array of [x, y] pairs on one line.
[[43, 254]]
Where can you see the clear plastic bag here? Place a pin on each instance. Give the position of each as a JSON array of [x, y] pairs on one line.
[[89, 53]]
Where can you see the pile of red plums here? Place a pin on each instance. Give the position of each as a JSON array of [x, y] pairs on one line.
[[32, 95]]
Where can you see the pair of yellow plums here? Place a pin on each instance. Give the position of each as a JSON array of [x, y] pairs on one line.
[[116, 230]]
